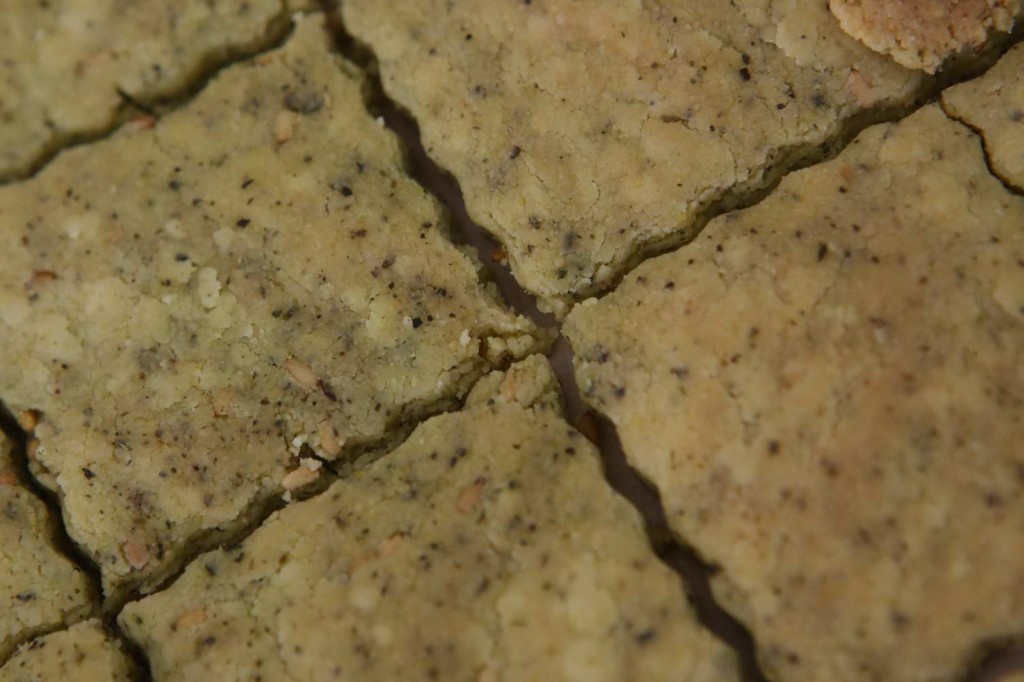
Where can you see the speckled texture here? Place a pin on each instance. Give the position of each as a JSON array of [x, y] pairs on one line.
[[994, 106], [69, 64], [828, 390], [83, 653], [584, 134], [487, 547], [923, 34], [39, 588], [192, 303]]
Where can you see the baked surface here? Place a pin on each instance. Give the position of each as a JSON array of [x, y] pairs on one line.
[[586, 134], [485, 547], [82, 653], [295, 429], [69, 66], [994, 106], [192, 301], [40, 590], [827, 390]]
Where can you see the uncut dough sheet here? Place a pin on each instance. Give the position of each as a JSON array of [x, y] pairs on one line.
[[69, 66], [994, 106], [486, 547], [585, 135], [199, 305], [82, 653], [828, 391], [923, 34], [40, 589]]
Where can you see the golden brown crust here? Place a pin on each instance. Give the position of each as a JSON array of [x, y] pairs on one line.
[[923, 34]]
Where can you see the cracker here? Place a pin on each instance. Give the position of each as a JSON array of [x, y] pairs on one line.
[[586, 135], [923, 34], [994, 106], [71, 65], [40, 589], [488, 546], [200, 307], [827, 389], [82, 653]]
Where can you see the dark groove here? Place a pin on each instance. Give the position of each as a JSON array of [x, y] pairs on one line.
[[1010, 187], [1000, 662], [696, 574], [59, 538], [67, 547], [210, 66], [620, 476], [141, 670], [693, 571], [437, 181], [802, 157]]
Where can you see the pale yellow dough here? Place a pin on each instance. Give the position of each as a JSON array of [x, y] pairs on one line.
[[587, 134], [994, 106], [40, 589], [69, 66], [198, 308], [83, 653], [923, 34], [487, 547], [828, 391]]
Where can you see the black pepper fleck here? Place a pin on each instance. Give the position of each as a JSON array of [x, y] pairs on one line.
[[303, 101]]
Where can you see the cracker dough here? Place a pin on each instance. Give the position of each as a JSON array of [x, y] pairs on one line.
[[82, 653], [40, 590], [199, 307], [828, 390], [923, 34], [66, 63], [487, 547], [587, 134], [994, 106]]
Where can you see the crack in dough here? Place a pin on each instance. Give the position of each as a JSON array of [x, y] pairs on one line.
[[539, 111], [488, 546], [180, 301], [827, 390]]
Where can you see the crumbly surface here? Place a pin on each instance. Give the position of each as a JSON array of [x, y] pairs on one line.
[[40, 589], [199, 304], [529, 382], [70, 65], [923, 34], [487, 547], [994, 105], [828, 390], [82, 653], [587, 134]]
